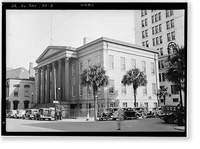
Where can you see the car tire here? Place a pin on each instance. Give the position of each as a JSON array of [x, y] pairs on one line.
[[170, 120]]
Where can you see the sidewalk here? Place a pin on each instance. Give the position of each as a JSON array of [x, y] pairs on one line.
[[181, 128], [81, 119]]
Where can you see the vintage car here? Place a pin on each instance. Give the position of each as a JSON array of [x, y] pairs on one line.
[[43, 114], [11, 114], [20, 113], [104, 114], [169, 113], [140, 112], [129, 113], [31, 114]]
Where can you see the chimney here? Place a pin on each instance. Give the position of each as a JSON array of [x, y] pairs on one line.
[[86, 40], [31, 70]]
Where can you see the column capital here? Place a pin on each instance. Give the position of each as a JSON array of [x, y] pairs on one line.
[[48, 65], [66, 59]]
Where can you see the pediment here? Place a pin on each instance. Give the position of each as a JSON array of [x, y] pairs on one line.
[[50, 51]]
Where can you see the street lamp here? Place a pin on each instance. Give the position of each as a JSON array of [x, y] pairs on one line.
[[32, 99]]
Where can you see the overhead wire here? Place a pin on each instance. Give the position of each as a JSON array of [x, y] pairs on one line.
[[43, 35]]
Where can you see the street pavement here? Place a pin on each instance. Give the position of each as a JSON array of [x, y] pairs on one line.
[[81, 125]]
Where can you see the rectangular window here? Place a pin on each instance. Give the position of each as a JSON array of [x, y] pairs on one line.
[[152, 17], [145, 90], [160, 79], [168, 37], [175, 99], [125, 104], [153, 30], [80, 90], [168, 25], [143, 23], [89, 91], [16, 93], [73, 70], [172, 23], [144, 66], [146, 23], [147, 43], [174, 89], [80, 67], [171, 12], [152, 68], [123, 88], [160, 39], [143, 44], [157, 41], [156, 17], [143, 34], [98, 59], [156, 27], [111, 87], [73, 91], [146, 33], [154, 42], [163, 77], [154, 88], [173, 35], [161, 64], [89, 62], [161, 51], [111, 61], [133, 63], [123, 66], [160, 28], [167, 13], [159, 15]]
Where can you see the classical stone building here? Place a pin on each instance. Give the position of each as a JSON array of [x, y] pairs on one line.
[[59, 69]]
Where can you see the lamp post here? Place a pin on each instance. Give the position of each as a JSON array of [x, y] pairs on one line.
[[32, 99]]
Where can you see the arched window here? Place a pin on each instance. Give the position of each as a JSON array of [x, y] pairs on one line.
[[15, 104], [26, 103]]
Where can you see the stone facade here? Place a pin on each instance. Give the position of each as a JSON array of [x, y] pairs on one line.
[[59, 69]]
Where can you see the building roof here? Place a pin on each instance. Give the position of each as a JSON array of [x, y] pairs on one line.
[[117, 42], [18, 73]]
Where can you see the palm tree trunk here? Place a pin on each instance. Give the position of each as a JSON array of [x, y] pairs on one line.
[[181, 102], [164, 100], [134, 97], [95, 105]]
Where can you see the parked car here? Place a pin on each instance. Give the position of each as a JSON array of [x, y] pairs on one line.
[[140, 112], [43, 114], [169, 113], [20, 113], [11, 114], [129, 113], [31, 114], [104, 114]]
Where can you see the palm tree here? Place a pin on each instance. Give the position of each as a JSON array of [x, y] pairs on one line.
[[136, 78], [162, 93], [94, 77], [176, 70]]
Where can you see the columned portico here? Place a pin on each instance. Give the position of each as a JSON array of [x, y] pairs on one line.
[[54, 75]]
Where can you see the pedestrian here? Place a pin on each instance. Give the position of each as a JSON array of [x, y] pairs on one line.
[[60, 115], [179, 115], [120, 117]]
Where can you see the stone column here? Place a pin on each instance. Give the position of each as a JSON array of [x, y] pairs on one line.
[[53, 82], [48, 83], [38, 85], [66, 79], [43, 84], [59, 79]]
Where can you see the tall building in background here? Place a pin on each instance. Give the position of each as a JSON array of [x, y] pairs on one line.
[[155, 29]]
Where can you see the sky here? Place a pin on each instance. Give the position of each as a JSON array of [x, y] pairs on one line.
[[29, 32]]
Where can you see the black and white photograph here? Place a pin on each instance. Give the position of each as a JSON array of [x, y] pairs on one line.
[[94, 69]]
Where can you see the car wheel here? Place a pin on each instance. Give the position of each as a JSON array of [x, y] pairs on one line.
[[170, 120]]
